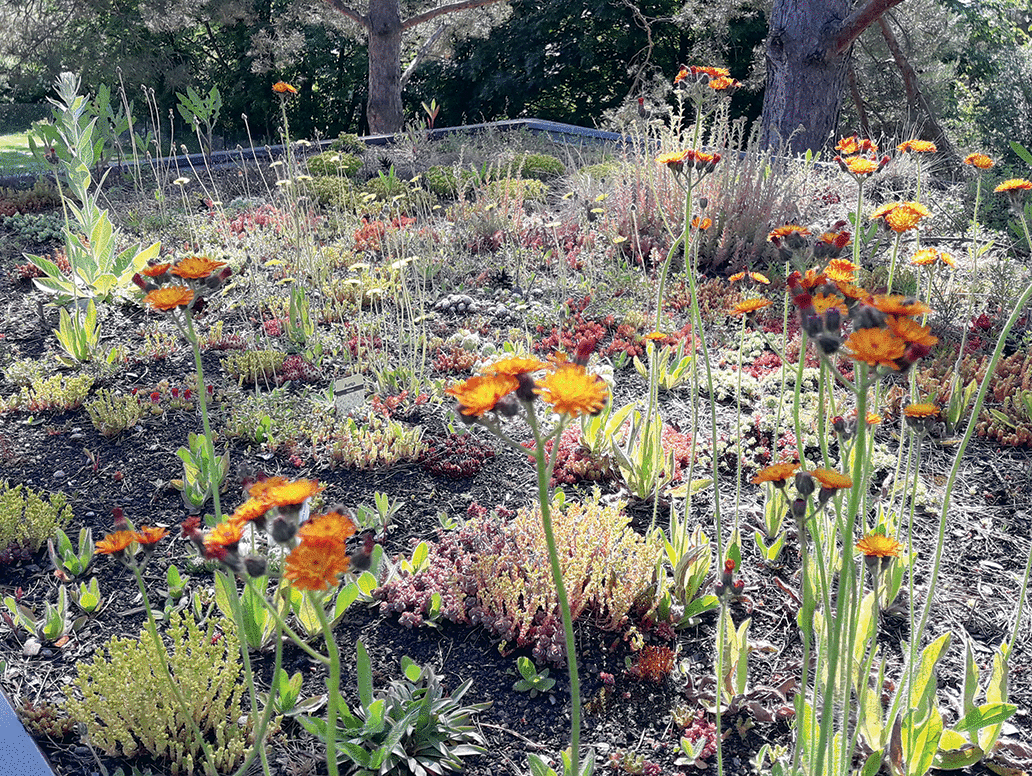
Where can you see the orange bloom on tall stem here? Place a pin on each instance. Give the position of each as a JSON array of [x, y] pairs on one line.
[[115, 543], [282, 87], [196, 267], [917, 146], [480, 394], [169, 298], [150, 534], [877, 347], [515, 366], [749, 306], [776, 474], [1014, 184], [571, 390], [897, 304], [315, 564], [875, 545], [979, 161], [784, 231], [858, 165], [855, 145], [841, 270]]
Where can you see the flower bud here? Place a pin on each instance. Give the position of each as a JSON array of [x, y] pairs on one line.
[[832, 319], [282, 529], [255, 566], [799, 508], [804, 483]]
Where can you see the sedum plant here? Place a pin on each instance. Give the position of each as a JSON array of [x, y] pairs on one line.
[[52, 393], [126, 707], [113, 413], [28, 518]]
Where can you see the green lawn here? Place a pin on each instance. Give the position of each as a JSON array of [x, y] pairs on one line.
[[14, 154]]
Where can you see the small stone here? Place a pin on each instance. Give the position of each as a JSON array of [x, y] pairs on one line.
[[59, 474]]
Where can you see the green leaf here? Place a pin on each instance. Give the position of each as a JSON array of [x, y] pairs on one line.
[[985, 715], [364, 670], [1021, 152]]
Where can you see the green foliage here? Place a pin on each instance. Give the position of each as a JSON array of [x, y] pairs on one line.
[[442, 181], [377, 442], [78, 336], [349, 143], [52, 624], [201, 112], [410, 727], [28, 518], [518, 189], [66, 559], [262, 418], [333, 191], [52, 393], [542, 167], [334, 164], [250, 367], [531, 680], [113, 413], [34, 227], [203, 474], [127, 706]]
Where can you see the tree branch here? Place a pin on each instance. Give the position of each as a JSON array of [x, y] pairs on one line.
[[433, 13], [361, 19], [858, 21], [421, 54]]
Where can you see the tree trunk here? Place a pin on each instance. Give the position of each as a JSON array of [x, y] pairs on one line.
[[807, 53], [384, 112]]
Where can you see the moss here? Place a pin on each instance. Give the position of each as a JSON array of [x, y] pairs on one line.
[[333, 191], [541, 167], [334, 163]]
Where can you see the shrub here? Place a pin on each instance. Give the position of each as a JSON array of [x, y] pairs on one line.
[[442, 181], [28, 519], [349, 143], [540, 167], [334, 163], [127, 705]]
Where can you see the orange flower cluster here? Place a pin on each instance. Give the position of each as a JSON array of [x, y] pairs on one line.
[[853, 162], [930, 257], [901, 216], [699, 160], [118, 542], [321, 556], [567, 387], [172, 286], [979, 161], [282, 87], [829, 481], [917, 147], [716, 78]]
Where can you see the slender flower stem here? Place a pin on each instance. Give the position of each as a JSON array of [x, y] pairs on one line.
[[202, 402], [332, 685], [159, 649]]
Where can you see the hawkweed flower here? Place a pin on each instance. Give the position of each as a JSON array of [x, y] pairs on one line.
[[876, 347], [116, 544], [831, 482], [920, 417], [917, 147], [841, 270], [571, 390], [776, 474], [196, 267], [169, 298], [979, 161], [321, 555], [850, 146], [930, 257], [674, 160], [861, 167], [222, 543], [284, 89], [149, 536], [879, 552], [829, 245], [480, 394], [900, 217], [749, 307], [1016, 190], [515, 366], [910, 330], [728, 586], [897, 304]]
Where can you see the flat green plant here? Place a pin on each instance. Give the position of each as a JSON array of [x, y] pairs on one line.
[[531, 679]]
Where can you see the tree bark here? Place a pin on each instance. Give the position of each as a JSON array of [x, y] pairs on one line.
[[807, 52], [384, 109]]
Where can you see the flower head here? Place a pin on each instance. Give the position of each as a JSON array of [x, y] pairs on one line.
[[876, 545], [877, 347], [252, 511], [480, 394], [514, 366], [150, 535], [1013, 185], [169, 298], [858, 165], [115, 543], [572, 390], [749, 306], [901, 216], [196, 267], [979, 161], [155, 270], [910, 330], [776, 474], [897, 304], [923, 410], [282, 87], [831, 479], [674, 159], [823, 302], [711, 72], [723, 83], [855, 145], [917, 147], [784, 231], [316, 563], [223, 539], [841, 270], [291, 493], [333, 525]]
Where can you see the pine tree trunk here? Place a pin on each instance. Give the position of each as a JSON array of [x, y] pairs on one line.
[[383, 111], [805, 74]]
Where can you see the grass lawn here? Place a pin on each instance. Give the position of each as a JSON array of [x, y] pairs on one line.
[[14, 154]]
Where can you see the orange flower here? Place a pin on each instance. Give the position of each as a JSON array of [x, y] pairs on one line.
[[723, 82], [251, 510], [653, 336], [760, 278], [571, 390], [282, 87], [851, 291], [925, 257], [290, 494], [917, 146], [223, 538], [897, 304], [831, 479], [911, 331], [150, 535], [674, 159], [921, 411], [876, 545], [515, 366], [749, 306], [784, 231], [155, 270], [1014, 184], [981, 161], [776, 474], [681, 75], [901, 216], [855, 145], [837, 240], [736, 277], [169, 298], [877, 347], [480, 394], [841, 270], [330, 526], [812, 279], [712, 72], [316, 563], [260, 488], [115, 543], [823, 302], [859, 165], [703, 224], [196, 267]]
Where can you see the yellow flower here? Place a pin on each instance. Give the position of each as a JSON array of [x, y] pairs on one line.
[[910, 330], [876, 545], [917, 146], [115, 543], [571, 390], [877, 347], [736, 277], [776, 474], [480, 394], [196, 267], [925, 257], [1014, 184], [921, 411], [282, 87], [316, 563], [980, 161], [841, 270], [749, 306], [897, 304], [653, 336], [514, 366], [831, 479], [169, 298]]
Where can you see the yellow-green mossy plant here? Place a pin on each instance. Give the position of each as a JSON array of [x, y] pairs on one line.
[[28, 518], [249, 367], [126, 704]]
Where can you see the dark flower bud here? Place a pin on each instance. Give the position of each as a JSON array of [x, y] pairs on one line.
[[828, 343], [139, 281], [795, 241], [811, 324], [799, 508], [867, 317], [703, 203], [255, 566], [282, 529], [832, 319], [198, 305], [527, 390], [507, 406], [804, 483], [839, 424]]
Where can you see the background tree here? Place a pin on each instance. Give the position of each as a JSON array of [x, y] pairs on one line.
[[807, 56]]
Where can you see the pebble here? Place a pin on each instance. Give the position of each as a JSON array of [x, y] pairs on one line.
[[59, 474]]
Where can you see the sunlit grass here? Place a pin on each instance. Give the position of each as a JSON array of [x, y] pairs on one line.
[[15, 156]]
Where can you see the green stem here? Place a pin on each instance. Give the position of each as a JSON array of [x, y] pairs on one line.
[[202, 401], [332, 685]]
